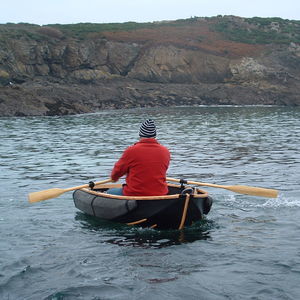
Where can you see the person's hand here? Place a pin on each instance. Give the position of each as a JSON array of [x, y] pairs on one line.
[[112, 180]]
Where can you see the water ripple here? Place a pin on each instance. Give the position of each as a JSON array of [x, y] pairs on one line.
[[247, 248]]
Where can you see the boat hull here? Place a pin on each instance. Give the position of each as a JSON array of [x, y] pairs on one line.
[[180, 208]]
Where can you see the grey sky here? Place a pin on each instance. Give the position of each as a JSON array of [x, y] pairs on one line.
[[109, 11]]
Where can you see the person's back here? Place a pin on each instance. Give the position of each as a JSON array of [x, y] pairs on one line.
[[145, 165]]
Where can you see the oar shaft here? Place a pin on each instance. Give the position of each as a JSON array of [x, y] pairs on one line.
[[86, 185], [197, 183], [241, 189], [207, 184]]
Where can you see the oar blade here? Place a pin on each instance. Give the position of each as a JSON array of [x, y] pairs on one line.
[[254, 191], [45, 195]]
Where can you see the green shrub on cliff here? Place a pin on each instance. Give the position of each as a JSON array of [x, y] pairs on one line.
[[21, 31], [246, 30], [4, 78], [81, 30], [259, 30]]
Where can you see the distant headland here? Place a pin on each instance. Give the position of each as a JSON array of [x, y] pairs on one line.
[[86, 67]]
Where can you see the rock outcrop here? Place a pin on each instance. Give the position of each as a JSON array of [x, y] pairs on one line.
[[52, 73]]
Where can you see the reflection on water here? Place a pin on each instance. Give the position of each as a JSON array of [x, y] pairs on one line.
[[123, 235]]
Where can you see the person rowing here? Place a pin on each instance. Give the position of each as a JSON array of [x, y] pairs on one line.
[[145, 165]]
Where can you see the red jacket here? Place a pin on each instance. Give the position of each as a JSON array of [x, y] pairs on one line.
[[145, 164]]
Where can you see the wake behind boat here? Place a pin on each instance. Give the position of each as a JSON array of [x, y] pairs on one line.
[[182, 206]]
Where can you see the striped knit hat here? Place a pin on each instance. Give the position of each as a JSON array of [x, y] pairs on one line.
[[148, 129]]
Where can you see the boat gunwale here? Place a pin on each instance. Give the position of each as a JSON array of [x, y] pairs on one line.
[[200, 194]]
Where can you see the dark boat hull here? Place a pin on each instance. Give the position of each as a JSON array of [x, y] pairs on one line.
[[180, 209]]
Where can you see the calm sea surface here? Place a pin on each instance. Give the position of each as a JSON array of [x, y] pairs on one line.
[[247, 248]]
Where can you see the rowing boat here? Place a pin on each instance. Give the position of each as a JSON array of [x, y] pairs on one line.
[[182, 206]]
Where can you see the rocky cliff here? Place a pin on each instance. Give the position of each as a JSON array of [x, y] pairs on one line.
[[57, 69]]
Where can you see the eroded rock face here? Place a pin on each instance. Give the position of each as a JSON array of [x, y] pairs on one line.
[[168, 64], [248, 68], [68, 76], [28, 59]]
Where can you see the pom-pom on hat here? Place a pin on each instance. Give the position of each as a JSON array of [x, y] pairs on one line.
[[148, 129]]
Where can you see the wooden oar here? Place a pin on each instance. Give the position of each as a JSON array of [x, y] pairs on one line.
[[241, 189], [53, 193]]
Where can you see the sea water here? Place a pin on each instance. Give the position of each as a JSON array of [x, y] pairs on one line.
[[247, 248]]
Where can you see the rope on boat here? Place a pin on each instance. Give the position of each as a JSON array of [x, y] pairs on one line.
[[137, 222], [186, 205]]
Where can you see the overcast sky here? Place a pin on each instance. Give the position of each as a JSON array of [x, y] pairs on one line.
[[110, 11]]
